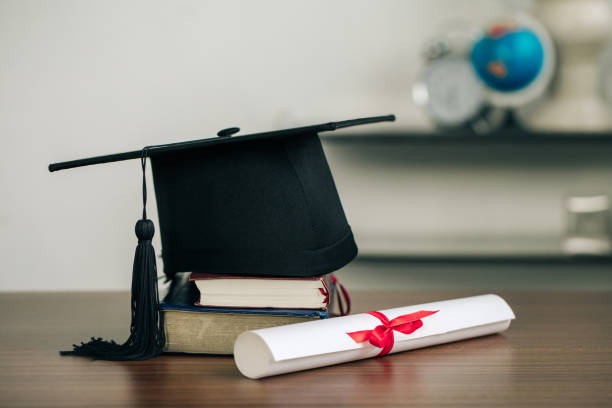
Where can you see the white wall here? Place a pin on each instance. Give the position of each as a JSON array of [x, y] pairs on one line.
[[81, 78]]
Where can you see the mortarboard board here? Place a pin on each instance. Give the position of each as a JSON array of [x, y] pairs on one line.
[[258, 204]]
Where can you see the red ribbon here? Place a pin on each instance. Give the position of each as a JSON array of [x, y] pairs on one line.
[[382, 336], [344, 300], [342, 293]]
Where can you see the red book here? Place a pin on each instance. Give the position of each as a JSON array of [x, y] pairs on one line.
[[263, 292]]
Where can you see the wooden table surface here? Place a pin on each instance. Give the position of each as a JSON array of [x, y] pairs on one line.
[[557, 353]]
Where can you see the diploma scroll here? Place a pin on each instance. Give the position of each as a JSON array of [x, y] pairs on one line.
[[302, 346]]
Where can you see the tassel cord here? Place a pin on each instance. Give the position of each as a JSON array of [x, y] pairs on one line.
[[147, 336]]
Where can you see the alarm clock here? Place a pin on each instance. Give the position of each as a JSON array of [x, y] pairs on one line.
[[452, 94], [450, 91]]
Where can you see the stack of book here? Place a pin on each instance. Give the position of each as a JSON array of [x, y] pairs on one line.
[[205, 313]]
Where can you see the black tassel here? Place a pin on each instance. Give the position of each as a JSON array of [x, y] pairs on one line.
[[147, 338]]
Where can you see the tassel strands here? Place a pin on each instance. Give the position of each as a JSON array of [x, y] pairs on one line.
[[147, 337]]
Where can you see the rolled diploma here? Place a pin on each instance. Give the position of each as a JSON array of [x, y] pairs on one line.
[[302, 346]]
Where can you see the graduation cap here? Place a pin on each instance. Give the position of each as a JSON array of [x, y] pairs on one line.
[[263, 204]]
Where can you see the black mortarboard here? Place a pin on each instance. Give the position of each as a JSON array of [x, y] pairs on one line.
[[259, 204]]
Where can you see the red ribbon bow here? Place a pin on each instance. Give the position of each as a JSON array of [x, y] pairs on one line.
[[382, 335]]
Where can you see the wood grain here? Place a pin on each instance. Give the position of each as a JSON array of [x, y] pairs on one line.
[[557, 353]]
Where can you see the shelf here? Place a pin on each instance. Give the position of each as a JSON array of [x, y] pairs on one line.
[[490, 259], [507, 136], [491, 249]]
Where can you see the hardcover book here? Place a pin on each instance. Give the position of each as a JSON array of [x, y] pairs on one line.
[[263, 292], [193, 329]]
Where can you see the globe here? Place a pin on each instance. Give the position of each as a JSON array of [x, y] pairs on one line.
[[508, 57]]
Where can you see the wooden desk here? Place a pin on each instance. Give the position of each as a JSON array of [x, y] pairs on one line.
[[557, 353]]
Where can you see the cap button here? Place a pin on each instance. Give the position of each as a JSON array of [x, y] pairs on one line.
[[228, 132]]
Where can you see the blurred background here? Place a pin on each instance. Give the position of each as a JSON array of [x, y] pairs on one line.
[[497, 173]]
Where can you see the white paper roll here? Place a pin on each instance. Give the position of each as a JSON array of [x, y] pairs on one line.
[[302, 346]]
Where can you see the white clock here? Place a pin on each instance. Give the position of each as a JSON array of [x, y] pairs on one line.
[[451, 91]]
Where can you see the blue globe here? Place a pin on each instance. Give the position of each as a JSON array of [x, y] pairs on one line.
[[508, 58]]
